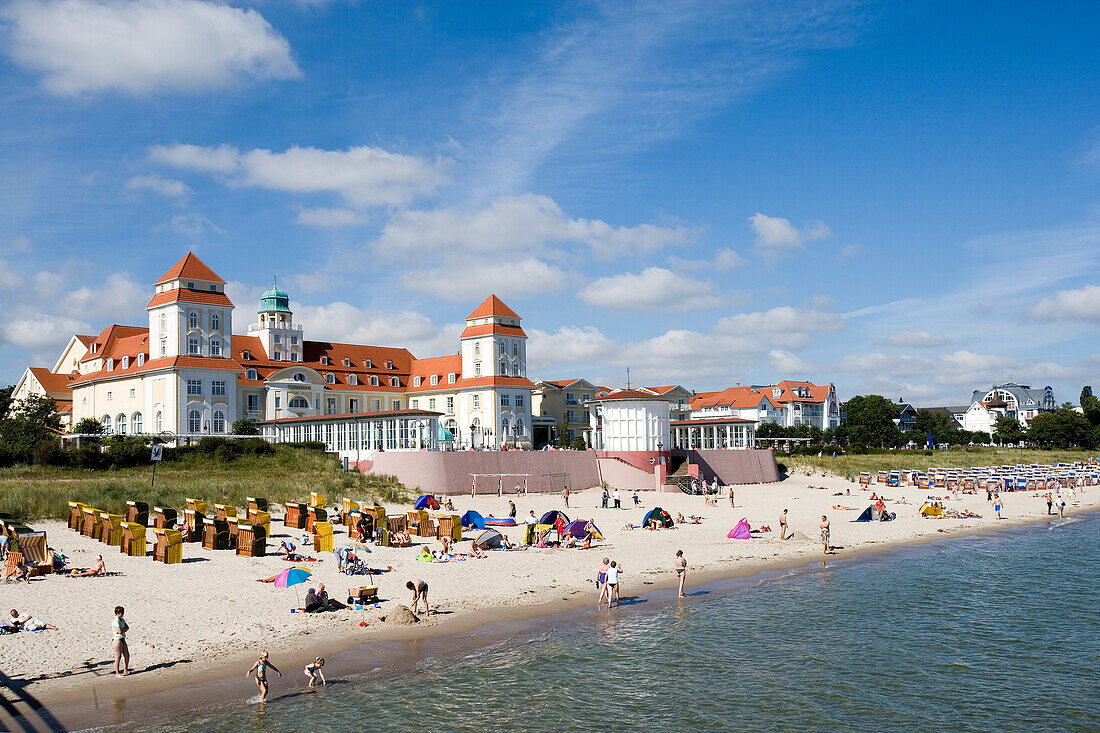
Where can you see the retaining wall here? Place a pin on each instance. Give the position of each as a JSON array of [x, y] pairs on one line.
[[625, 477], [736, 466], [446, 472]]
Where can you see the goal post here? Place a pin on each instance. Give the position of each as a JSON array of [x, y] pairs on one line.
[[498, 483]]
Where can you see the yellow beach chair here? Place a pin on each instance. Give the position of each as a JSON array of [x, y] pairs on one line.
[[322, 537], [133, 539]]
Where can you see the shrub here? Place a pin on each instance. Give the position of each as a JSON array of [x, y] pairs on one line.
[[318, 445], [50, 453], [244, 426], [88, 456], [224, 453], [857, 449]]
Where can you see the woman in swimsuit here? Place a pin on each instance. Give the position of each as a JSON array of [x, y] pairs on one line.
[[122, 652], [681, 570], [825, 533], [613, 571], [601, 582], [260, 668]]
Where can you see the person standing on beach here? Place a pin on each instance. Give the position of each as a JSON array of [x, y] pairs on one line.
[[420, 592], [1050, 503], [565, 496], [731, 498], [260, 668], [825, 533], [119, 628], [681, 570], [1061, 507], [601, 582], [613, 571], [997, 505], [617, 499], [512, 509], [783, 525]]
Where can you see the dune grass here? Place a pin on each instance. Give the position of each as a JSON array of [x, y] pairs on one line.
[[44, 492], [851, 465]]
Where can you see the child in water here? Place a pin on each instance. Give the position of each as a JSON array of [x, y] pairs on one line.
[[313, 671], [260, 668]]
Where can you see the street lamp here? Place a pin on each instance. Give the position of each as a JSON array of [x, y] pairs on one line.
[[473, 432]]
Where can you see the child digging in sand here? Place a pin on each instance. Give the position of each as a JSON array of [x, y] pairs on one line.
[[260, 668], [313, 671]]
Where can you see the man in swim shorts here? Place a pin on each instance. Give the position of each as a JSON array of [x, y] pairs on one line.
[[783, 525], [420, 592]]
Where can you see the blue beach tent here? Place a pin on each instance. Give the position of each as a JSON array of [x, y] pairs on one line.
[[426, 501], [473, 519]]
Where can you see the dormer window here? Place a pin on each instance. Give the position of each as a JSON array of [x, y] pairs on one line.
[[330, 378], [347, 361], [246, 355], [94, 347], [324, 361], [125, 362], [141, 359], [213, 288], [251, 375], [389, 364], [416, 381], [777, 391], [367, 364], [190, 286], [451, 378], [395, 382], [110, 364], [434, 379], [352, 379], [374, 381]]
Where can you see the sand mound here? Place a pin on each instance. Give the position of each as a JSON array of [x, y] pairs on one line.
[[401, 616], [800, 537]]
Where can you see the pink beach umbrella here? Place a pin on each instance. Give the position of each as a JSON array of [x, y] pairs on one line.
[[292, 576]]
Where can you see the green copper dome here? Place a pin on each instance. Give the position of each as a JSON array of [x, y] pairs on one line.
[[274, 301]]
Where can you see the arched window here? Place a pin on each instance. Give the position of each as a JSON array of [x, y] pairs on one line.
[[503, 349], [105, 421], [389, 364], [141, 359], [125, 362], [374, 381], [158, 421], [515, 349], [367, 364], [120, 424], [352, 379], [110, 364], [135, 422], [193, 320], [298, 403], [395, 382], [250, 374], [324, 361], [330, 378], [347, 361], [194, 421], [503, 368], [162, 322], [477, 349], [219, 421], [416, 381], [215, 322], [299, 377]]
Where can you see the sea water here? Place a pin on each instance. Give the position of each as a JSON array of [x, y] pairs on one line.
[[994, 632]]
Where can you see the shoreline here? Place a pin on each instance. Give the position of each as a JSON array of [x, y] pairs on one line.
[[74, 698]]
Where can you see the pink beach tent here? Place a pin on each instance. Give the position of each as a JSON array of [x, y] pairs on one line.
[[741, 531]]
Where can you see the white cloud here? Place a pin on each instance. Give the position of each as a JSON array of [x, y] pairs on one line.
[[1082, 304], [192, 224], [784, 326], [9, 278], [220, 159], [364, 176], [345, 323], [21, 244], [144, 46], [651, 289], [569, 345], [785, 362], [524, 222], [917, 339], [473, 281], [725, 259], [850, 252], [118, 299], [314, 282], [960, 368], [776, 235], [30, 329], [158, 184], [328, 218]]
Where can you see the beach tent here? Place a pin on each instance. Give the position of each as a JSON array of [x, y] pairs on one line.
[[576, 528], [489, 539], [659, 514], [867, 516], [741, 531], [928, 510], [473, 519], [426, 501], [551, 517]]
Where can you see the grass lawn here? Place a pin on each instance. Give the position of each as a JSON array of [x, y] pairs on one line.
[[852, 465], [44, 492]]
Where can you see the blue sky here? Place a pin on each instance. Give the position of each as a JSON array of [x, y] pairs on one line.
[[899, 198]]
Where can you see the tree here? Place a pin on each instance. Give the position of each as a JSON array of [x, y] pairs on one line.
[[31, 422], [871, 420], [563, 435], [578, 443], [5, 400], [1090, 405], [88, 426], [1008, 430], [244, 426], [1064, 427]]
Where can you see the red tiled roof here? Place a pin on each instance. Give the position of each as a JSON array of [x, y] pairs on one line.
[[440, 367], [203, 297], [492, 328], [492, 306], [627, 394], [86, 340], [190, 267], [56, 385], [186, 362], [734, 397], [818, 393], [496, 382], [711, 421], [106, 343]]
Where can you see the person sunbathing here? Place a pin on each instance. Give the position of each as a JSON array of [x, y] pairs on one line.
[[26, 622], [400, 538], [425, 555], [20, 571], [287, 548], [475, 550], [447, 550], [695, 519], [654, 524], [680, 518], [99, 569]]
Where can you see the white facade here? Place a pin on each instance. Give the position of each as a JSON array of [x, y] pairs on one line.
[[633, 422]]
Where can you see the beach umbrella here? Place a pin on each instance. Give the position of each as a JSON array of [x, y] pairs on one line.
[[292, 576]]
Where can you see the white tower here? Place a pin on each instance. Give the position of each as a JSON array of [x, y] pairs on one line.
[[282, 340], [190, 314]]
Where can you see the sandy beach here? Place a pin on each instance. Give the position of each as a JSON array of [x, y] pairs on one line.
[[208, 616]]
